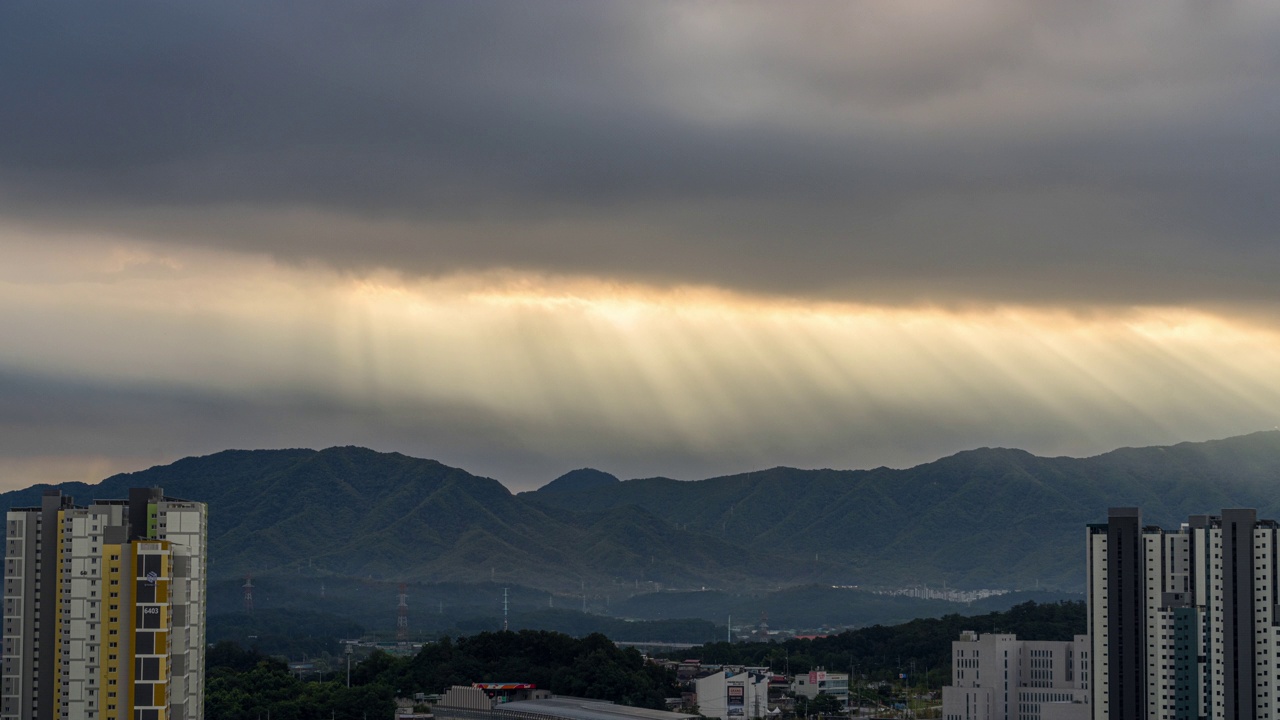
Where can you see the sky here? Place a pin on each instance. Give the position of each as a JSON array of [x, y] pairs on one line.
[[662, 238]]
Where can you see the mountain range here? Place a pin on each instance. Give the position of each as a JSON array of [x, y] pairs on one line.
[[981, 518], [990, 517]]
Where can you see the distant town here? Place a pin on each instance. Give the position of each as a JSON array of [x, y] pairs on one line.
[[925, 592]]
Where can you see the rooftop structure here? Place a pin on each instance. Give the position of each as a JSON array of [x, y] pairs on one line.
[[473, 703]]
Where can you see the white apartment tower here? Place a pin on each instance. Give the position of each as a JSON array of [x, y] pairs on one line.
[[104, 609], [1183, 623]]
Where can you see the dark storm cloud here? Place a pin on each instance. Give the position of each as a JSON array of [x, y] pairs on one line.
[[987, 151], [45, 416], [331, 105]]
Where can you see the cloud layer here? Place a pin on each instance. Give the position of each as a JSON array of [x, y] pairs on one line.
[[664, 237], [937, 151]]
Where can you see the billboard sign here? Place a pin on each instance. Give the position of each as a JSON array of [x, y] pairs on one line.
[[736, 702]]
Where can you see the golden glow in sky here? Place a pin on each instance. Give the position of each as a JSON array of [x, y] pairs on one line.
[[581, 368]]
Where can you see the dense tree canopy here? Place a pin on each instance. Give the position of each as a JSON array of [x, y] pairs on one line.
[[590, 667], [882, 653], [243, 683]]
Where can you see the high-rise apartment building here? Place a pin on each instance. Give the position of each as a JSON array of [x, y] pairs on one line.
[[1183, 623], [104, 609]]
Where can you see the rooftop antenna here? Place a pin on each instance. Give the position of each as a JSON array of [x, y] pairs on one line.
[[402, 617], [504, 609], [248, 594]]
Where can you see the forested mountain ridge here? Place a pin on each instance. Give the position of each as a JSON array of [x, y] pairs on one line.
[[354, 512], [986, 517]]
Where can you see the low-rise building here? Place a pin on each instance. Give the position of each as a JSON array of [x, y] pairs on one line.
[[820, 682], [475, 703], [688, 670], [731, 695]]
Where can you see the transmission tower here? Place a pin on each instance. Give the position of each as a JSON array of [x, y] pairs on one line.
[[504, 609], [248, 594], [402, 617]]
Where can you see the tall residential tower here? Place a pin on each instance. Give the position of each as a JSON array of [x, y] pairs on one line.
[[104, 609], [1183, 623]]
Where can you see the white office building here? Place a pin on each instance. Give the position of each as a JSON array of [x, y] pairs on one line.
[[999, 677], [734, 695], [820, 682]]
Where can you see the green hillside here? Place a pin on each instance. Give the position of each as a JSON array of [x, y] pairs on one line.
[[352, 512], [984, 518]]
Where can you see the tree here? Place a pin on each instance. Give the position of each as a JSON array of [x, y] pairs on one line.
[[822, 704]]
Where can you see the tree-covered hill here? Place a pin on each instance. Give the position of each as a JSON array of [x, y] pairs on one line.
[[352, 512], [243, 684], [982, 518], [808, 607], [881, 652]]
